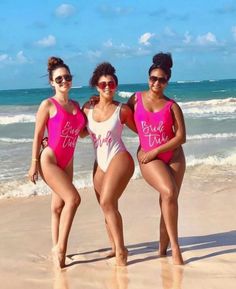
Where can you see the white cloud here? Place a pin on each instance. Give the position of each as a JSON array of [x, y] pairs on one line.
[[4, 57], [112, 11], [187, 38], [208, 38], [121, 50], [21, 58], [65, 10], [234, 32], [48, 41], [108, 43], [94, 54], [169, 32], [140, 51], [144, 39]]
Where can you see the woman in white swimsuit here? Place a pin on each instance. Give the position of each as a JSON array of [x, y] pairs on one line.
[[113, 165]]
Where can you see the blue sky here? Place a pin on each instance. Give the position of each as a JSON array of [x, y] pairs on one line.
[[201, 35]]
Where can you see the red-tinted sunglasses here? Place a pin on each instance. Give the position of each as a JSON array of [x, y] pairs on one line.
[[161, 80], [66, 77], [103, 84]]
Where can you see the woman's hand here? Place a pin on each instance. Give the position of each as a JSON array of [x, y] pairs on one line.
[[146, 157], [33, 172], [94, 99], [44, 142]]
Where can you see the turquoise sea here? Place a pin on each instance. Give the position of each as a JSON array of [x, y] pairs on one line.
[[209, 109]]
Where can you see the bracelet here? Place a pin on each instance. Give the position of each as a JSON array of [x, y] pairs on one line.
[[34, 160]]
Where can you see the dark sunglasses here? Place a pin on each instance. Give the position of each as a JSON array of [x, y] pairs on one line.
[[161, 80], [66, 77], [103, 84]]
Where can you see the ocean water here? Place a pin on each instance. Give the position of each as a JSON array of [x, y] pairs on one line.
[[209, 109]]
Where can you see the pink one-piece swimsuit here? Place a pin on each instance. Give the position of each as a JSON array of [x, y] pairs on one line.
[[63, 131], [154, 128]]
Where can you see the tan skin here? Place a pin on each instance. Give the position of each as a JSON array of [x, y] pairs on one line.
[[65, 197], [165, 178], [110, 185]]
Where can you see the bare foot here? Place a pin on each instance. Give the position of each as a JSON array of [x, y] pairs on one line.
[[121, 258], [58, 258], [177, 256]]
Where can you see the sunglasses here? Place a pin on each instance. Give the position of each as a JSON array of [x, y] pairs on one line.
[[161, 80], [66, 77], [103, 84]]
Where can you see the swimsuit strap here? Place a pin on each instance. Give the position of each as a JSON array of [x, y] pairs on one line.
[[169, 103], [61, 108], [118, 108], [56, 103], [140, 101], [139, 95], [90, 112], [117, 111]]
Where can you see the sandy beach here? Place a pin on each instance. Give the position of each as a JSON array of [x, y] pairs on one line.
[[206, 228]]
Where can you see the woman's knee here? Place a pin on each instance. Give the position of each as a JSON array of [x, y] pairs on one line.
[[73, 201], [169, 194], [106, 205], [77, 200], [56, 208]]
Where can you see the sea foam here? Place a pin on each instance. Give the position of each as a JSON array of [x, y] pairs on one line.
[[221, 108], [19, 118]]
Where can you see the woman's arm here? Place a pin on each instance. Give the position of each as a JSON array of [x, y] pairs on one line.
[[179, 128], [127, 117], [84, 132], [132, 101], [40, 125]]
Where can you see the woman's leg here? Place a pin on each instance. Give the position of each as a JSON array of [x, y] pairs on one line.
[[57, 205], [159, 176], [61, 183], [116, 178], [177, 166], [98, 176]]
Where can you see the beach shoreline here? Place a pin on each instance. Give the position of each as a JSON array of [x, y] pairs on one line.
[[206, 230]]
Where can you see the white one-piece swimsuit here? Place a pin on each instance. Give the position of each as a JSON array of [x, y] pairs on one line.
[[106, 137]]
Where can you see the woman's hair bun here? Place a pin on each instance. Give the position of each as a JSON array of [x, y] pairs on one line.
[[54, 62], [163, 60]]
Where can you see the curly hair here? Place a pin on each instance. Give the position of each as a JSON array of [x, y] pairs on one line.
[[102, 69], [54, 63], [163, 61]]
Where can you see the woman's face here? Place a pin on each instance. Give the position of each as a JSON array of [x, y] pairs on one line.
[[106, 86], [157, 80], [62, 79]]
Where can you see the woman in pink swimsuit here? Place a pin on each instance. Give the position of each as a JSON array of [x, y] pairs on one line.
[[64, 120], [161, 129]]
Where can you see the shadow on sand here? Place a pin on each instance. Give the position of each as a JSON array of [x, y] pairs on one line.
[[190, 244], [186, 243]]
